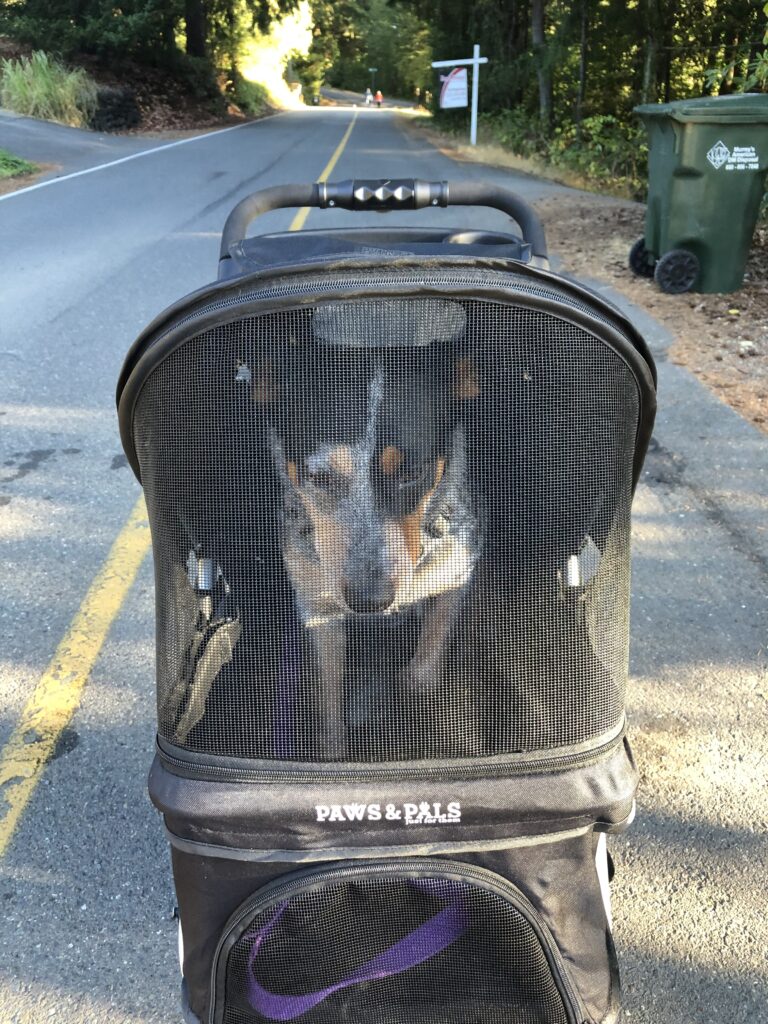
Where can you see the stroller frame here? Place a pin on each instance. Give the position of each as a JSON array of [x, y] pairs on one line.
[[396, 806]]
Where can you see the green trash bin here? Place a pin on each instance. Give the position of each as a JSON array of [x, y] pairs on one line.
[[707, 162]]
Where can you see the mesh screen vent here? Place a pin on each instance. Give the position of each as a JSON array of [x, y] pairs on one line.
[[398, 952], [417, 548]]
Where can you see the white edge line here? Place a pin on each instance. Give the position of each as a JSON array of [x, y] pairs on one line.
[[133, 156]]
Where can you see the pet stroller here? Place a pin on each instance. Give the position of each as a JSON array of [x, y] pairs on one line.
[[389, 476]]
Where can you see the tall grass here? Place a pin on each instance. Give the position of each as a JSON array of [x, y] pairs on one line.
[[41, 86]]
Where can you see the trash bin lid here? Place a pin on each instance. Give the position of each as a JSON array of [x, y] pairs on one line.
[[740, 108]]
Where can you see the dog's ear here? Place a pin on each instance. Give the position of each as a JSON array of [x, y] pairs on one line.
[[465, 383], [265, 387]]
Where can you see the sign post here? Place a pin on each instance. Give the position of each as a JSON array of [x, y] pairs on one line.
[[454, 84]]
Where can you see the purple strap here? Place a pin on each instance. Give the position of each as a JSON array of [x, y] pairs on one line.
[[419, 945]]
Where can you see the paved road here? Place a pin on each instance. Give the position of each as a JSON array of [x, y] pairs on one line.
[[86, 932], [63, 149], [346, 97]]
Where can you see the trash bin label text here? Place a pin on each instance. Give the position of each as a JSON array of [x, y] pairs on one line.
[[740, 158], [743, 158]]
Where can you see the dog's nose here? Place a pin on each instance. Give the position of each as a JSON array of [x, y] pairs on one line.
[[370, 597]]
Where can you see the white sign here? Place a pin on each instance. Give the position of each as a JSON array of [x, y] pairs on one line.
[[740, 158], [475, 61], [455, 92]]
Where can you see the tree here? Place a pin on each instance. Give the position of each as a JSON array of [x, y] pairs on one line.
[[543, 71]]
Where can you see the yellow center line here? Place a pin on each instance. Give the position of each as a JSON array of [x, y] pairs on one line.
[[298, 221], [58, 692]]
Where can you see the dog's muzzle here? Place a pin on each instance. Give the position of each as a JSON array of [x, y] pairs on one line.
[[369, 596]]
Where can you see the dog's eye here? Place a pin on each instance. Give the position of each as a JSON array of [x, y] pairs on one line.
[[437, 527], [410, 477], [322, 479], [325, 480]]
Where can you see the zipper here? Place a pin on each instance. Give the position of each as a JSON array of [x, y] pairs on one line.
[[273, 892], [356, 773]]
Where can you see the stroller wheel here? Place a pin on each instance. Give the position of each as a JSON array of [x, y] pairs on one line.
[[640, 260], [676, 271]]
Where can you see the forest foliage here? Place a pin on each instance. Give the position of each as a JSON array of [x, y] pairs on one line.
[[563, 77], [561, 82]]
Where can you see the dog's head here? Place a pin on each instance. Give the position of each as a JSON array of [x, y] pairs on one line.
[[365, 444]]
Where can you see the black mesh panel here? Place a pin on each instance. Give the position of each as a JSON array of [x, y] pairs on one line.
[[390, 530], [391, 951]]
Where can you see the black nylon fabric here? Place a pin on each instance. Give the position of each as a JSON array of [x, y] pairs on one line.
[[328, 815], [545, 402], [559, 879], [266, 251]]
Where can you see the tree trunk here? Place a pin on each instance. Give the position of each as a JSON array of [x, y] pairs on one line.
[[580, 95], [714, 57], [653, 22], [670, 16], [649, 71], [543, 72], [197, 28], [169, 35]]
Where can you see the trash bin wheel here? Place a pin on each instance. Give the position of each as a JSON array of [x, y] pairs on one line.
[[641, 262], [676, 271]]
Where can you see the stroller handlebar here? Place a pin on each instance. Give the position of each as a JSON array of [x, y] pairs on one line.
[[382, 195]]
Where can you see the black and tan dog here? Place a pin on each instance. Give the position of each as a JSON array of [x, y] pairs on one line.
[[370, 450]]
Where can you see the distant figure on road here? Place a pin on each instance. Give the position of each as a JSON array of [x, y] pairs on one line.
[[379, 98], [368, 97]]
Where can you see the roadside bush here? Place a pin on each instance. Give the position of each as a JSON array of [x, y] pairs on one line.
[[605, 150], [12, 166], [197, 76], [41, 86], [515, 130], [116, 110], [251, 97]]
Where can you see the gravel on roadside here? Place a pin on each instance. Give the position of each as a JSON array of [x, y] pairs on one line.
[[722, 339]]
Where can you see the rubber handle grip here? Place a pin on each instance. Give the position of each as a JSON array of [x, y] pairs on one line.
[[383, 194]]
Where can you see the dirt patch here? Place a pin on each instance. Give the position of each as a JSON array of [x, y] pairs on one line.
[[723, 339], [164, 101], [25, 180]]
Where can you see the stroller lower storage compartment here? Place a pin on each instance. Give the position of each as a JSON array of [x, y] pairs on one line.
[[516, 936]]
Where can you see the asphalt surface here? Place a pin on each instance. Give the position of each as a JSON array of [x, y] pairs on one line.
[[64, 150], [86, 932]]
